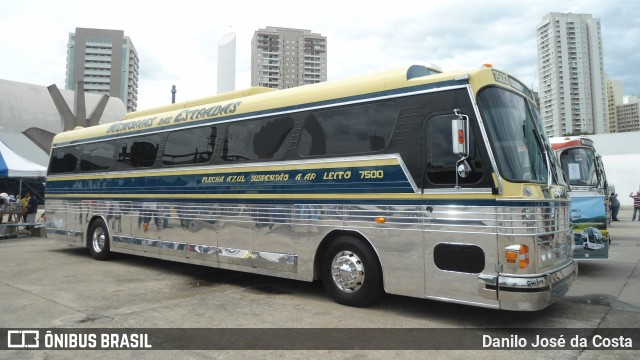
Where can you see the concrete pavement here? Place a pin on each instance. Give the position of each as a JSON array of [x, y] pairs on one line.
[[46, 284]]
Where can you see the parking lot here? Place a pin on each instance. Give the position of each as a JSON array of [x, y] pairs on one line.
[[48, 285]]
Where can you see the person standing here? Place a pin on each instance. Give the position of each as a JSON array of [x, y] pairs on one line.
[[24, 202], [4, 204], [32, 209], [614, 204], [636, 205]]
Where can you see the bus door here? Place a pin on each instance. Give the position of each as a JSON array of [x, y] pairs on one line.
[[460, 227]]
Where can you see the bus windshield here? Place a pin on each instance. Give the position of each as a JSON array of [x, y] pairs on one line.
[[579, 165], [521, 150]]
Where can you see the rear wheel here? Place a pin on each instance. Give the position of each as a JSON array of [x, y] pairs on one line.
[[99, 241], [351, 273]]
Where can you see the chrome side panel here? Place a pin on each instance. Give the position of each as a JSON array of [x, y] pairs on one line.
[[271, 239], [465, 225], [282, 240]]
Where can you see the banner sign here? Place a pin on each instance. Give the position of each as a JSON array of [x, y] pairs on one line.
[[590, 234]]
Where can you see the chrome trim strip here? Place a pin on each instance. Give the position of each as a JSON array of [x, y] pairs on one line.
[[485, 136], [458, 191], [262, 259]]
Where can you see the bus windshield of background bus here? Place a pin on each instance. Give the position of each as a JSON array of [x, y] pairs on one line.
[[579, 166], [519, 144]]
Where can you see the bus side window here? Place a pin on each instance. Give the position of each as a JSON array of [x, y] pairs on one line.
[[257, 139], [143, 154], [441, 161], [190, 146], [97, 156], [138, 152], [349, 130], [64, 160]]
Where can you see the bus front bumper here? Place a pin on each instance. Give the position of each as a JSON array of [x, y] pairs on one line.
[[529, 293]]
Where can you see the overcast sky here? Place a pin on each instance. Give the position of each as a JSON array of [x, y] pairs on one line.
[[177, 40]]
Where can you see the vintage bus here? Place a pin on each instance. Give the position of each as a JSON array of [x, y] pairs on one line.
[[437, 185], [589, 191]]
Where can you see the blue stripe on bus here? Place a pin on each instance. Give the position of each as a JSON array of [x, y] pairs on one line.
[[392, 179]]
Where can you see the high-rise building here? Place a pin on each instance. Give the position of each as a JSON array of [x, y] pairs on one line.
[[106, 61], [614, 99], [629, 115], [571, 75], [282, 58]]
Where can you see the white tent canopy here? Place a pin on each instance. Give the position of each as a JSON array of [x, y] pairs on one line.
[[13, 165]]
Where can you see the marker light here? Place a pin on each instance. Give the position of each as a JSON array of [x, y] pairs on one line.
[[381, 220], [487, 65], [517, 255]]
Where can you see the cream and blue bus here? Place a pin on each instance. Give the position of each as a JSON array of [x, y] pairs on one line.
[[417, 182]]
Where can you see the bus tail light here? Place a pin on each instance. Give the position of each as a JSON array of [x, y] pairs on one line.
[[517, 255]]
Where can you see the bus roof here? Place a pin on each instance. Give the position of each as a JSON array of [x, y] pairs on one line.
[[262, 101], [198, 102]]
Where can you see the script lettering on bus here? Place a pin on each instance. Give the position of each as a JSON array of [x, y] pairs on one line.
[[235, 178], [283, 177], [130, 125], [336, 175], [212, 179], [306, 177], [206, 112], [270, 177]]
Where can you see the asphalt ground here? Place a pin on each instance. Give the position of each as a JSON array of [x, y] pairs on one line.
[[48, 285]]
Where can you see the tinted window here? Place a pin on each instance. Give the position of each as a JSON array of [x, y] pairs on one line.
[[257, 139], [440, 159], [355, 129], [137, 152], [97, 156], [64, 160], [190, 146]]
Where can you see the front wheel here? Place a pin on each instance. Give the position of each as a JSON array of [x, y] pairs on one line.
[[99, 242], [351, 273]]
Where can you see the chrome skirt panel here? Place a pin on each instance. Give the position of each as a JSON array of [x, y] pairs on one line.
[[282, 239]]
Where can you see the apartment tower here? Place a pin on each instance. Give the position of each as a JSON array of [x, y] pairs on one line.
[[571, 73], [106, 61], [629, 115], [614, 99], [282, 58]]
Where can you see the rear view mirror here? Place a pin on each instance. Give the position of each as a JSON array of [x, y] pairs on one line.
[[459, 135]]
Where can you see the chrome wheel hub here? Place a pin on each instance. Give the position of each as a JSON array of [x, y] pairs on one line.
[[98, 240], [347, 271]]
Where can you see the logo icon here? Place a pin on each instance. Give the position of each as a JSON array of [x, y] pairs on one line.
[[23, 339]]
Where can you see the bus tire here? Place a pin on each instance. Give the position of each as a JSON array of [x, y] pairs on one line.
[[99, 241], [351, 273]]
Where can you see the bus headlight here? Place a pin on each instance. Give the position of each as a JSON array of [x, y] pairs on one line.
[[517, 255]]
